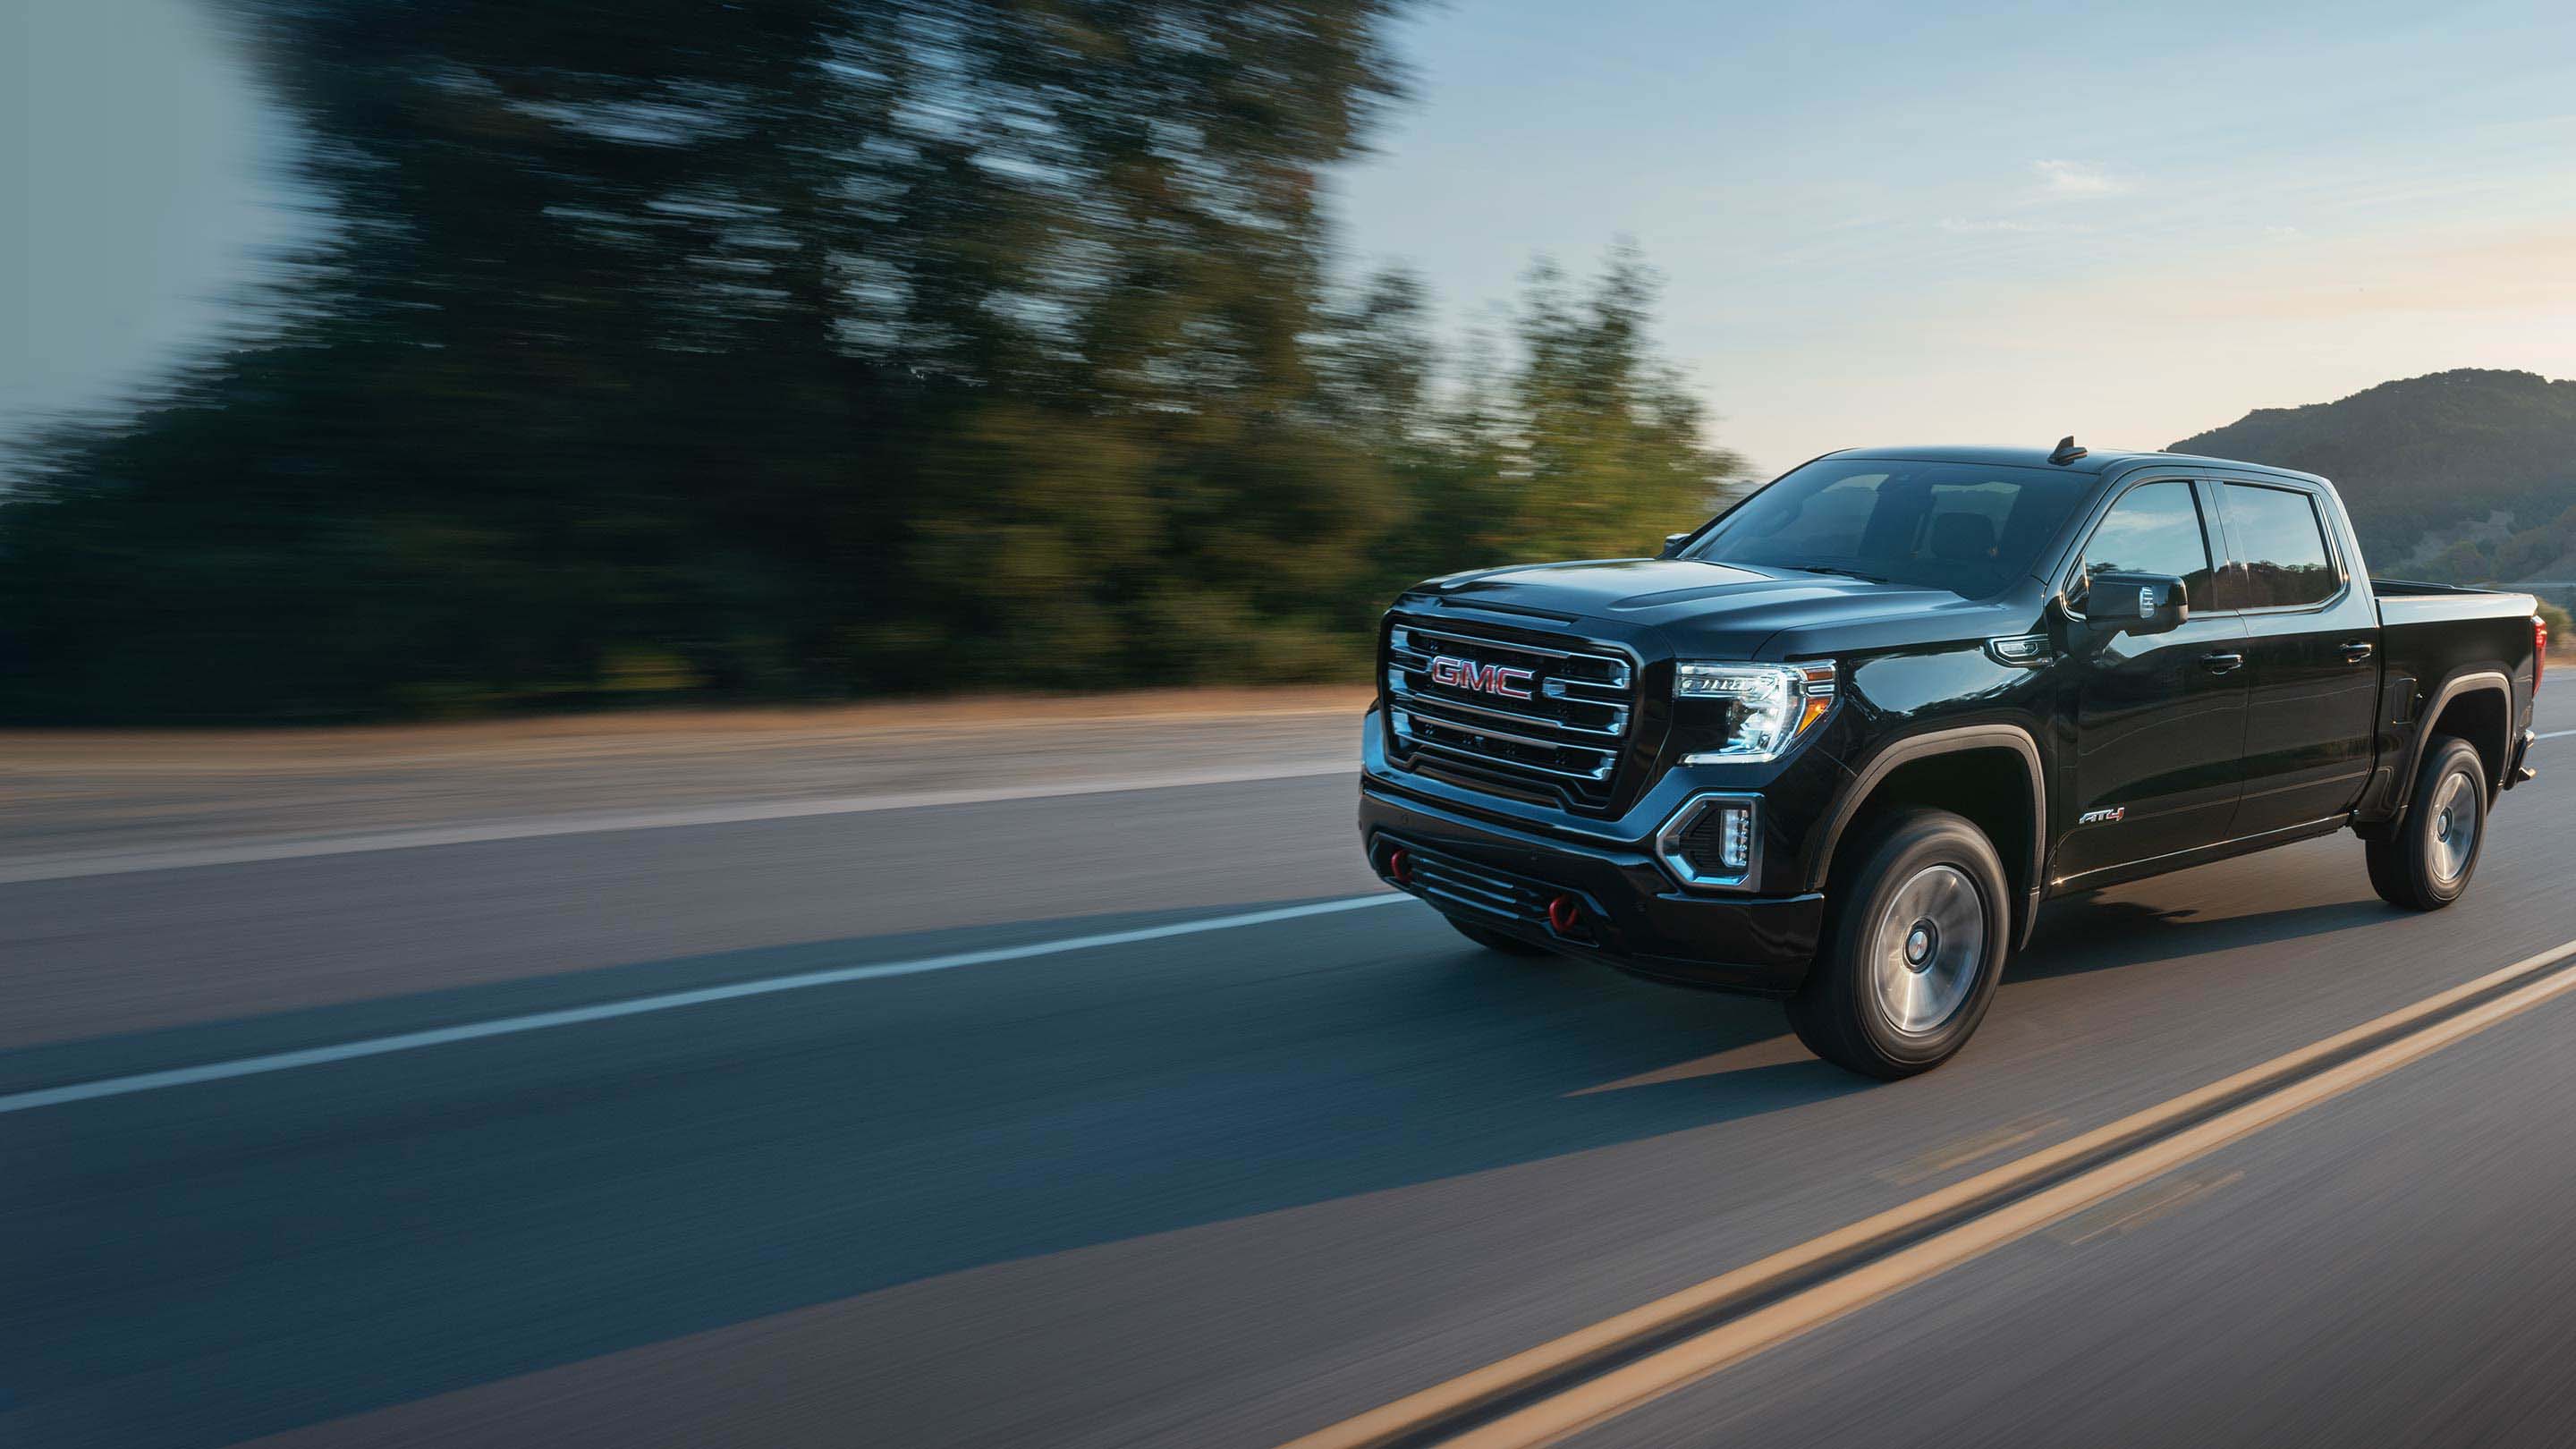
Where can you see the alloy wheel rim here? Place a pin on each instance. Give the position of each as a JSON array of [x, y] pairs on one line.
[[1926, 950], [2452, 828]]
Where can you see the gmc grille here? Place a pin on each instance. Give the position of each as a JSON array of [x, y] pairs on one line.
[[1561, 744]]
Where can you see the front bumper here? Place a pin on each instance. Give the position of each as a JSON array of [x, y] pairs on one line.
[[1628, 913]]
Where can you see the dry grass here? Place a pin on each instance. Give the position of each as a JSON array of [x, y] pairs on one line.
[[648, 733]]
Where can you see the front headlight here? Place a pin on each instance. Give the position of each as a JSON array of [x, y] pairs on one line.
[[1773, 705]]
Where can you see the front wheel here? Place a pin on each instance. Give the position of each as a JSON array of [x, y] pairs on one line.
[[1913, 951], [2426, 864]]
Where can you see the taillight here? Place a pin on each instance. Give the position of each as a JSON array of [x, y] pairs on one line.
[[2539, 648]]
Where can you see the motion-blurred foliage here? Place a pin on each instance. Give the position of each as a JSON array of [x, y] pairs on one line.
[[804, 349], [2562, 630]]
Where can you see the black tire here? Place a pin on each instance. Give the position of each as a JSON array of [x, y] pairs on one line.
[[1493, 940], [1922, 859], [2426, 865]]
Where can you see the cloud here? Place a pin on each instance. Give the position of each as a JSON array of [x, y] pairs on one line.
[[1972, 226], [2075, 179]]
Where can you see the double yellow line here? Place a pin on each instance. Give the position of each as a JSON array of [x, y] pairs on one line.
[[1548, 1393]]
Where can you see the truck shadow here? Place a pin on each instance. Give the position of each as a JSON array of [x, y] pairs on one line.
[[2106, 932], [2101, 933]]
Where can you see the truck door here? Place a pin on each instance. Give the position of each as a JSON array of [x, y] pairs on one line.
[[2159, 718], [2312, 634]]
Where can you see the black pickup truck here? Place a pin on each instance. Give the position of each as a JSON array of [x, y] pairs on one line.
[[1837, 744]]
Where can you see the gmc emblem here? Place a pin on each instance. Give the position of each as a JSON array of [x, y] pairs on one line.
[[1481, 678]]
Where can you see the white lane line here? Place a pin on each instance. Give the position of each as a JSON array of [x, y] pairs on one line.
[[238, 852], [2555, 735], [667, 1001]]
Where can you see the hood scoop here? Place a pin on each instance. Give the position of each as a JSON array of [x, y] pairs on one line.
[[1482, 606], [1768, 588]]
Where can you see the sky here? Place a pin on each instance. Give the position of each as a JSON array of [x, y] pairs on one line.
[[1898, 223], [140, 173], [1879, 223]]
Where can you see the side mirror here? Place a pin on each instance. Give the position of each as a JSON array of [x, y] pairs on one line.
[[2128, 603], [1673, 543]]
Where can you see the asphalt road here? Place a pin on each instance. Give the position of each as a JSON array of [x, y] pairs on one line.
[[1209, 1187]]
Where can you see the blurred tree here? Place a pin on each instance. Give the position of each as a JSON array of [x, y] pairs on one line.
[[2562, 630], [810, 348], [1611, 445], [2465, 562]]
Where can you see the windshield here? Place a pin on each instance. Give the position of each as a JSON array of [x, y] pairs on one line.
[[1971, 528]]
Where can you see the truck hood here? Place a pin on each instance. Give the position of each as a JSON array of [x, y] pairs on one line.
[[1726, 610]]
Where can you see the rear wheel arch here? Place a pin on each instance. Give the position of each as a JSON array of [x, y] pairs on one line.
[[1990, 774], [2476, 706]]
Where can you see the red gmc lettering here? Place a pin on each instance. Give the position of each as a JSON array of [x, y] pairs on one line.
[[1482, 678]]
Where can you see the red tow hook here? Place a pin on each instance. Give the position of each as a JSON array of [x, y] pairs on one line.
[[1399, 867], [1564, 914]]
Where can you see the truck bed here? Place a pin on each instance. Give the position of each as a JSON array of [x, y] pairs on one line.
[[2414, 588], [2406, 604], [2431, 633]]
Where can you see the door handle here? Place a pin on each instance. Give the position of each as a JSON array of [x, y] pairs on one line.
[[2357, 652], [2222, 663]]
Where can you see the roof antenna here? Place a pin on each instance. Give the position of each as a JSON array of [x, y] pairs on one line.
[[2066, 452]]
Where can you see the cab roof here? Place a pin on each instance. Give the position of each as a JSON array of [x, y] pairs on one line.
[[2098, 460]]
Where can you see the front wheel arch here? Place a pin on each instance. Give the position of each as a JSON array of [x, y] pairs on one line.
[[1989, 774]]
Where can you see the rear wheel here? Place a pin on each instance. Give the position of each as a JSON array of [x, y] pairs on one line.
[[1913, 950], [2426, 865], [1493, 940]]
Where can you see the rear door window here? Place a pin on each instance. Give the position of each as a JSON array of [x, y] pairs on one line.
[[2281, 556]]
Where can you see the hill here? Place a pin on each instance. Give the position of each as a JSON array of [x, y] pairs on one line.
[[2466, 476]]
